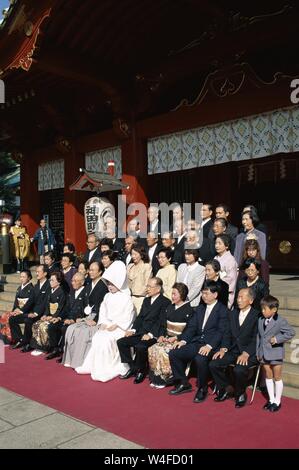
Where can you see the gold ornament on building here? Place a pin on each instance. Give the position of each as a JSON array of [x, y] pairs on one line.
[[285, 247]]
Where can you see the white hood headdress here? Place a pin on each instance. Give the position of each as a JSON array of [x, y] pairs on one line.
[[116, 273]]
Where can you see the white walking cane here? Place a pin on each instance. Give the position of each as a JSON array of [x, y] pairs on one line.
[[255, 383]]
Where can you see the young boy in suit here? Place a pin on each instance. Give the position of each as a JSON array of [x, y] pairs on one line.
[[273, 332]]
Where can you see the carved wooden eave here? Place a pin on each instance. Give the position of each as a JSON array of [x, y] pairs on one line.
[[229, 81], [20, 33], [97, 182]]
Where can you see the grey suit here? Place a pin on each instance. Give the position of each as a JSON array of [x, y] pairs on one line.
[[282, 331]]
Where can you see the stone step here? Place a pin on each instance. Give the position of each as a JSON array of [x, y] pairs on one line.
[[292, 316], [10, 296], [291, 392], [5, 306], [291, 375], [288, 302]]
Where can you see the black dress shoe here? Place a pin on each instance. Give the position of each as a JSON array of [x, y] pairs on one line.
[[241, 400], [59, 360], [139, 378], [53, 354], [200, 396], [222, 395], [182, 388], [18, 345], [128, 374], [267, 405], [26, 348], [273, 408]]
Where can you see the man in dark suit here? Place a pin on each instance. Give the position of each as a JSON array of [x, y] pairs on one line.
[[35, 309], [179, 247], [199, 341], [238, 347], [154, 224], [93, 252], [146, 329], [207, 223], [222, 211], [153, 248]]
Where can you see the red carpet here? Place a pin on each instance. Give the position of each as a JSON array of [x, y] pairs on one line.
[[148, 416]]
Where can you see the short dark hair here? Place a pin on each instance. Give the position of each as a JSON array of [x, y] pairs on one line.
[[107, 241], [223, 221], [210, 207], [166, 251], [270, 301], [182, 290], [111, 255], [50, 254], [254, 217], [211, 286], [225, 207], [85, 264], [158, 281], [70, 256], [141, 250], [192, 251], [59, 276], [28, 273], [44, 266], [215, 265], [99, 265], [225, 239], [250, 261], [70, 247]]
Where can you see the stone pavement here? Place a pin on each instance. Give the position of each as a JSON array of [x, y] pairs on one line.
[[26, 424]]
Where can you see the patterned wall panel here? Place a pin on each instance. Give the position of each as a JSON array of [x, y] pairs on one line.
[[51, 175], [241, 139], [98, 161]]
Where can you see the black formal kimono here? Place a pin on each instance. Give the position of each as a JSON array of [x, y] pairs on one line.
[[55, 308], [36, 305]]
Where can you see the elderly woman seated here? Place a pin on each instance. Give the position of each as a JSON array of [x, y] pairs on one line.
[[177, 315], [44, 338], [22, 304], [115, 317]]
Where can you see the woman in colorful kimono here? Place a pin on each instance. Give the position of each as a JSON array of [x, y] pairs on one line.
[[177, 315], [22, 304], [21, 243], [54, 313]]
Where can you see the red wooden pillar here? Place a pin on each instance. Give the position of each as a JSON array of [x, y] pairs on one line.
[[29, 194], [134, 167], [74, 228]]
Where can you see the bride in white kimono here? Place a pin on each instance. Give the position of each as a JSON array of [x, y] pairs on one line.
[[115, 317]]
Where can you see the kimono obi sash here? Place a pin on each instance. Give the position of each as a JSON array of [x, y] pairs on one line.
[[22, 302], [53, 307], [175, 328]]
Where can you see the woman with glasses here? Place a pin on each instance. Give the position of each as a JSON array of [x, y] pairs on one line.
[[253, 279]]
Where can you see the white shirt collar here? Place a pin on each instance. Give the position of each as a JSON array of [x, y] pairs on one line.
[[42, 283], [78, 291], [204, 221], [151, 251], [91, 254], [154, 297]]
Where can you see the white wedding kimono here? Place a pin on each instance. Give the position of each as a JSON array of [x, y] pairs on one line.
[[103, 359]]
